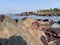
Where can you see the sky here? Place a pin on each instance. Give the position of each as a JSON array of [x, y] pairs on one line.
[[17, 6]]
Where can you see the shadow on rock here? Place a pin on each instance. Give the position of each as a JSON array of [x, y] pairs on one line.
[[2, 17], [14, 40], [43, 39]]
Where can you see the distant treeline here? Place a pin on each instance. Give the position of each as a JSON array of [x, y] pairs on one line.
[[49, 10]]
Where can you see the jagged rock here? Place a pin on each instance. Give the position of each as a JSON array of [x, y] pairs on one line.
[[29, 33], [53, 35]]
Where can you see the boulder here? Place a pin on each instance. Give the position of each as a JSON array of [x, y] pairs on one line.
[[21, 32], [58, 22]]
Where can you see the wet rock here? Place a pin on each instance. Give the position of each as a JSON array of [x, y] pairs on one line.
[[38, 19], [13, 40], [46, 20], [58, 22], [24, 18], [53, 35], [44, 40], [2, 18], [16, 20]]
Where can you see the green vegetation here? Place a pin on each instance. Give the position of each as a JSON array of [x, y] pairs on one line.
[[54, 11], [49, 10]]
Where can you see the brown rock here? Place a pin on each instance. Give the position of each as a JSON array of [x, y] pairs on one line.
[[12, 33]]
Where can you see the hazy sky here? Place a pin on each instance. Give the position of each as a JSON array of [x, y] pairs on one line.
[[17, 6]]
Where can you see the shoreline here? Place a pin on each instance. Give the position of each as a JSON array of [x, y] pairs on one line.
[[38, 14], [29, 29]]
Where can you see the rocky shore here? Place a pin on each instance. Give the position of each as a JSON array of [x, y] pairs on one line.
[[39, 14], [27, 32], [44, 12]]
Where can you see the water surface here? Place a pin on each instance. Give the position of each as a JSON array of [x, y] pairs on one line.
[[54, 18]]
